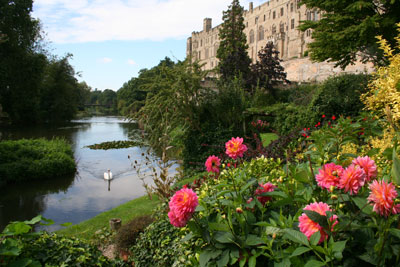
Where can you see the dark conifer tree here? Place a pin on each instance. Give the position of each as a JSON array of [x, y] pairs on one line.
[[267, 72], [232, 51]]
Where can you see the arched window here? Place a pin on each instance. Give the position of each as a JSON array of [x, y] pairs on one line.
[[260, 33], [273, 29], [251, 36]]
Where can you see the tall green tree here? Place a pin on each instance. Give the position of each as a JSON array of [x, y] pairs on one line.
[[21, 66], [232, 51], [347, 28]]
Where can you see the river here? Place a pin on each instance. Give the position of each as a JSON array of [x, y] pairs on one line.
[[85, 194]]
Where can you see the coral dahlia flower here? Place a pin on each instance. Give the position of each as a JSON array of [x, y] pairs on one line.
[[368, 165], [182, 205], [309, 227], [235, 147], [212, 164], [382, 196], [264, 188], [352, 179], [329, 175]]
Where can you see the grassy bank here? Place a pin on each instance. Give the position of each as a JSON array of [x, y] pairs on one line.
[[34, 159], [125, 212]]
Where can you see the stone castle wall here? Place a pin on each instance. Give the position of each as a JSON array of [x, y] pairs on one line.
[[275, 21]]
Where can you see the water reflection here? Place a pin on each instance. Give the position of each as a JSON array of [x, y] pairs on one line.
[[74, 199]]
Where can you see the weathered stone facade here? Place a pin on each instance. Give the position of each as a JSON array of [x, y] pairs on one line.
[[276, 21]]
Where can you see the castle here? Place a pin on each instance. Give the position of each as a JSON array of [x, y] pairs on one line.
[[276, 21]]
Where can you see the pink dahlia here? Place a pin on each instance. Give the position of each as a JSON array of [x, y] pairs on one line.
[[235, 147], [182, 205], [329, 175], [309, 227], [212, 164], [264, 188], [352, 179], [368, 165], [382, 196]]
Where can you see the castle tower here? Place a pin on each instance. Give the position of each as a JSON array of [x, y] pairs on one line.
[[207, 24]]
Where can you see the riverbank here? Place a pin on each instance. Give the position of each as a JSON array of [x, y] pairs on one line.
[[126, 212]]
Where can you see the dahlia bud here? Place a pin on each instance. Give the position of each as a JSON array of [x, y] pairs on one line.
[[239, 210], [334, 197], [341, 206], [223, 216], [332, 188], [273, 235]]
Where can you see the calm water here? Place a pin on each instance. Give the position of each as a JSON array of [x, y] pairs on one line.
[[85, 194]]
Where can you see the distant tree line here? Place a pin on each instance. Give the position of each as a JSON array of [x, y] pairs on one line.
[[35, 86]]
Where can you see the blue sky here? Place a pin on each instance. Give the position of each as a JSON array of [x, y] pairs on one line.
[[111, 40]]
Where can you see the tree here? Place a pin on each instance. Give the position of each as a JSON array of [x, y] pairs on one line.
[[348, 28], [21, 67], [267, 72], [232, 51]]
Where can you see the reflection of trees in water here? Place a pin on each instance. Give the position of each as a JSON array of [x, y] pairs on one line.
[[15, 206], [131, 130]]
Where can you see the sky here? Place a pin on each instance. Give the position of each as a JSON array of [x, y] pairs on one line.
[[111, 40]]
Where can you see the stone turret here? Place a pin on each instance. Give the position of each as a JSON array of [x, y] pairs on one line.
[[251, 6], [207, 24]]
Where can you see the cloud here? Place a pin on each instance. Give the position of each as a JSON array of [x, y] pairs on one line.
[[131, 62], [77, 21], [105, 60]]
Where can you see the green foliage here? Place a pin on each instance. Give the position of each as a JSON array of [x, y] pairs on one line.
[[158, 245], [129, 232], [114, 145], [232, 51], [349, 27], [34, 159], [340, 95], [20, 246]]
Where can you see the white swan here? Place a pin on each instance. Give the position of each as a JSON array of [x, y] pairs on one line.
[[108, 175]]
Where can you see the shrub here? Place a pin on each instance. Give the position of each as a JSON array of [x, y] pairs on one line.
[[128, 233], [34, 159], [340, 95], [158, 245]]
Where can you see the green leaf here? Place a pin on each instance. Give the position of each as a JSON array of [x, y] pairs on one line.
[[21, 263], [302, 176], [395, 232], [318, 218], [339, 246], [252, 182], [296, 236], [48, 221], [314, 263], [395, 168], [270, 230], [284, 263], [234, 255], [362, 205], [314, 239], [223, 261], [252, 261], [253, 240], [187, 237], [66, 224], [34, 220], [274, 194], [10, 251], [300, 250], [224, 237], [205, 257]]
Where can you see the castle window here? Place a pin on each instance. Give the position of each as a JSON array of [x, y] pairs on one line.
[[273, 29], [281, 27], [256, 20], [308, 15], [199, 55], [273, 15], [260, 33], [291, 7], [281, 11], [264, 17], [201, 42], [316, 15], [251, 37], [292, 24], [247, 24], [206, 55]]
